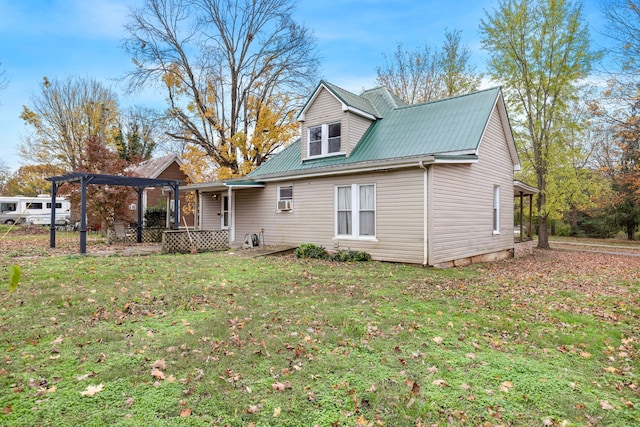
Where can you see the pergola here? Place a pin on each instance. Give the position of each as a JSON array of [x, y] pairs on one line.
[[520, 189], [84, 179]]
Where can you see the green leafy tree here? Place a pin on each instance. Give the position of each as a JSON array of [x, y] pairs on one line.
[[213, 58], [429, 73], [539, 50]]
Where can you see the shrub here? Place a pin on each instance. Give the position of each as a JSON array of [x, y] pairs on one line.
[[155, 216], [309, 250], [348, 256]]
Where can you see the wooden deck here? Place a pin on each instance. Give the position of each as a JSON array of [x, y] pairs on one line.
[[263, 251]]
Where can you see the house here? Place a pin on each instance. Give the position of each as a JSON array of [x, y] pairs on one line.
[[166, 167], [430, 183]]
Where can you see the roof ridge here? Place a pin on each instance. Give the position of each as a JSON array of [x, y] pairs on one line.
[[451, 98], [337, 89]]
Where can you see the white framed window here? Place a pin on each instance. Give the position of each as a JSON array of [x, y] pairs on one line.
[[285, 197], [325, 139], [496, 209], [355, 207]]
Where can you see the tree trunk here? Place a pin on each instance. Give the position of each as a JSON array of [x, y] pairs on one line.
[[543, 233]]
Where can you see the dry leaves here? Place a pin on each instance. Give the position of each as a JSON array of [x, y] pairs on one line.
[[92, 390]]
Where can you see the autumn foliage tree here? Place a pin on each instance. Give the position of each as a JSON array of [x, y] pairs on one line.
[[105, 203], [220, 62], [30, 180]]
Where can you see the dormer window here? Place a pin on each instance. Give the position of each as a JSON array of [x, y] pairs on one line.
[[325, 140]]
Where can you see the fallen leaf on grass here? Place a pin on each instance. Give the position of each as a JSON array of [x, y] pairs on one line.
[[92, 390], [159, 364], [276, 412], [438, 340], [440, 383], [185, 412], [157, 373], [7, 410], [585, 354], [281, 386], [85, 376], [606, 405], [628, 403], [57, 340], [505, 386]]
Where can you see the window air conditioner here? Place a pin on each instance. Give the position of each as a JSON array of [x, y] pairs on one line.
[[284, 205]]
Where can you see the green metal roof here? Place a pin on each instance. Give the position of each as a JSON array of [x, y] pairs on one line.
[[443, 128], [347, 98]]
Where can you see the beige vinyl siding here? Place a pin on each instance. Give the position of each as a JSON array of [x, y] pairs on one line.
[[463, 201], [399, 214], [210, 209], [327, 109], [356, 126]]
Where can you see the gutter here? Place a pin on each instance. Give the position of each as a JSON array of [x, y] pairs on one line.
[[365, 167]]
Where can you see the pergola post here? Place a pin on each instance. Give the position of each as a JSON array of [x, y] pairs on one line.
[[52, 224], [139, 225], [83, 215]]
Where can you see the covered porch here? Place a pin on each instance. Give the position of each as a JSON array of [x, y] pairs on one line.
[[219, 197]]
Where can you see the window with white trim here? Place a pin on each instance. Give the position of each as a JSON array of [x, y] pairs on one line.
[[355, 211], [285, 197], [496, 209], [325, 139]]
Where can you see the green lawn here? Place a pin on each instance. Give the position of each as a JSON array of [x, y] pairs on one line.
[[217, 339]]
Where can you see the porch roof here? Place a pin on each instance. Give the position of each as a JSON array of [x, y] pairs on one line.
[[522, 189]]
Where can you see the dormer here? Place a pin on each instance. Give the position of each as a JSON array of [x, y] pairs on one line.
[[333, 121]]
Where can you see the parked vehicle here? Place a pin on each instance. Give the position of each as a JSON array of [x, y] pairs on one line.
[[33, 210]]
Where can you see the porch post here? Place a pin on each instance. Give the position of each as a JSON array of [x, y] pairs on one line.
[[196, 211], [52, 224], [232, 223], [176, 207], [531, 216], [521, 216]]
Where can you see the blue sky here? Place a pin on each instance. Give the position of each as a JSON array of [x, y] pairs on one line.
[[62, 38]]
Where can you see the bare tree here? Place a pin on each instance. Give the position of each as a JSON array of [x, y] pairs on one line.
[[623, 17], [429, 73], [4, 80], [63, 116], [217, 61]]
